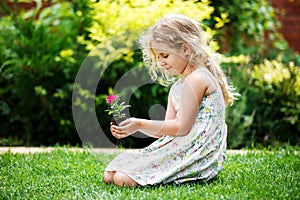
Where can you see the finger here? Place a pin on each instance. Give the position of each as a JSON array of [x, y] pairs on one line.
[[121, 135], [127, 121], [119, 129], [114, 126], [117, 135], [113, 130]]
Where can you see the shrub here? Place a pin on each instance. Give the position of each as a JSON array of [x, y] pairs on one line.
[[37, 83], [275, 100], [252, 29], [265, 113], [39, 59], [41, 54]]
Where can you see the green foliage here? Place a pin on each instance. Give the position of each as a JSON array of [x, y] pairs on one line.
[[252, 30], [66, 174], [136, 15], [268, 112], [238, 124], [238, 121], [276, 94], [39, 59], [41, 53]]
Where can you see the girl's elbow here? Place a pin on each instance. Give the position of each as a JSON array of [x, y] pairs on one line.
[[175, 128], [182, 134], [183, 131]]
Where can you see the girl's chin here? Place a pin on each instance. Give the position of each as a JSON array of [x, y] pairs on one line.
[[173, 72]]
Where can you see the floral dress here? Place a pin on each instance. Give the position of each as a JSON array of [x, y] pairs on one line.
[[199, 155]]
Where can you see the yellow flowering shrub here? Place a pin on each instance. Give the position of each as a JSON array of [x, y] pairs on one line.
[[276, 95], [112, 18], [273, 73]]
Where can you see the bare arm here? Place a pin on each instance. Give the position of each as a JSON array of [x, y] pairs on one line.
[[193, 92], [137, 123], [170, 115], [171, 112]]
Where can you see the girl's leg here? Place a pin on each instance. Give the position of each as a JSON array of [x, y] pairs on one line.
[[109, 176], [121, 179]]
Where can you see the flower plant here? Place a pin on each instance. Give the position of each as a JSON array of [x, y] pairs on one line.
[[115, 107]]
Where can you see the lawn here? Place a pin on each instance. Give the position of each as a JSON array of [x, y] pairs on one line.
[[65, 174]]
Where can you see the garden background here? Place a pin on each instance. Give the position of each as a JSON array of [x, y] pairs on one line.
[[42, 49]]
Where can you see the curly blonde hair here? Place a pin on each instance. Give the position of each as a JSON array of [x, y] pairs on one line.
[[175, 30]]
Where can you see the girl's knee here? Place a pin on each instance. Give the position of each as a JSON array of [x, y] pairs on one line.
[[121, 179], [108, 176]]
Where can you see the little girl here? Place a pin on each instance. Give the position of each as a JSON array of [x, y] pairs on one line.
[[192, 138]]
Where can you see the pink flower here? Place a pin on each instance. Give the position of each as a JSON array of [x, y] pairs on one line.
[[111, 98], [116, 108]]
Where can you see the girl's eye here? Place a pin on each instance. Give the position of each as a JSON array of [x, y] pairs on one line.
[[165, 55]]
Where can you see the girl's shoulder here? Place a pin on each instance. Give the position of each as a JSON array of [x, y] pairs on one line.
[[198, 75], [203, 78], [181, 81], [198, 71]]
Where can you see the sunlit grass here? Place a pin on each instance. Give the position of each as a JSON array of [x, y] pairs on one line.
[[64, 174]]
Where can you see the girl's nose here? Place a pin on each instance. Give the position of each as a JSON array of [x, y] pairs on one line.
[[162, 62]]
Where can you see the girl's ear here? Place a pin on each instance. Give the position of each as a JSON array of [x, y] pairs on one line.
[[186, 49]]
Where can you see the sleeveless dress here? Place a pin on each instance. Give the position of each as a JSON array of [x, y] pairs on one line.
[[199, 155]]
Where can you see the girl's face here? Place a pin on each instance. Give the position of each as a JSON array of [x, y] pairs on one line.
[[175, 61]]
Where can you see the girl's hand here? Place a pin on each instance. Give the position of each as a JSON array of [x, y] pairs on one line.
[[114, 131], [125, 129]]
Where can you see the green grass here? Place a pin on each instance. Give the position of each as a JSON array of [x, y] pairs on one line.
[[64, 174]]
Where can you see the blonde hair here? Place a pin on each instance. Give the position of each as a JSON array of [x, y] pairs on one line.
[[175, 30]]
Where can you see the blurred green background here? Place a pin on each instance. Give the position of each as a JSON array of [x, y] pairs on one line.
[[42, 49]]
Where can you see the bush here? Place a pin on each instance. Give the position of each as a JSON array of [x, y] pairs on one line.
[[267, 112], [252, 29], [37, 84], [41, 54], [39, 60], [275, 95]]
